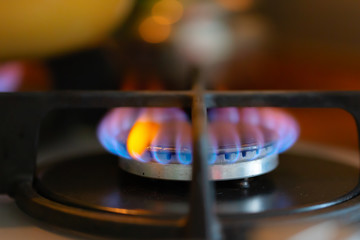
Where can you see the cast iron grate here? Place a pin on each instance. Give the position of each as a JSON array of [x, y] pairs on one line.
[[22, 114]]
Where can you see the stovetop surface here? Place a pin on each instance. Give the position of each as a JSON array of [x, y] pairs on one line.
[[84, 172], [96, 182]]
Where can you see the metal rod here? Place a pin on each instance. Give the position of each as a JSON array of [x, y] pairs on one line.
[[202, 222], [308, 99], [101, 99], [92, 99]]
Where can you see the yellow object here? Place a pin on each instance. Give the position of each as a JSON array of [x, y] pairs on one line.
[[140, 137], [39, 28]]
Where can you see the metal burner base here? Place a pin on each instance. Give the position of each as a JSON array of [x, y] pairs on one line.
[[181, 172]]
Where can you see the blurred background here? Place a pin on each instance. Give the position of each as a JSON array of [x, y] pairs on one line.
[[153, 45]]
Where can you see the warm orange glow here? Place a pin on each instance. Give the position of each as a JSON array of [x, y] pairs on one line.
[[167, 11], [153, 32], [141, 80], [140, 137], [236, 5]]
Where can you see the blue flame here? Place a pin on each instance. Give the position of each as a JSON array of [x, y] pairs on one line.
[[244, 133], [114, 129]]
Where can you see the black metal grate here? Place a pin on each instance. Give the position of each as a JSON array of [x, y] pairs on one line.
[[22, 113]]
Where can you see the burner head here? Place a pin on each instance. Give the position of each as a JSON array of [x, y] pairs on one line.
[[156, 143], [227, 163], [218, 171]]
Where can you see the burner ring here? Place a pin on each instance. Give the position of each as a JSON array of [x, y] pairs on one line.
[[182, 172]]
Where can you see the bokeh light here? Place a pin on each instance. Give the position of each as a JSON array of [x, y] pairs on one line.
[[203, 41], [167, 11], [153, 32], [10, 76]]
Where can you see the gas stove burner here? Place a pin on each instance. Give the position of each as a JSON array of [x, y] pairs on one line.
[[227, 163], [157, 142], [79, 193]]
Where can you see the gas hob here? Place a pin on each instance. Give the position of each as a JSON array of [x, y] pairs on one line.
[[90, 190]]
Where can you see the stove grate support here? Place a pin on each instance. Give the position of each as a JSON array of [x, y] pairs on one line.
[[22, 114], [201, 222]]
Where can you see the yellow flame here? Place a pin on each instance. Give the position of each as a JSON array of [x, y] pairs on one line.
[[167, 11], [153, 32], [140, 137]]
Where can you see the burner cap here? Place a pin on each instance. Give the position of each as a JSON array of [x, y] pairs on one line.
[[219, 170]]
